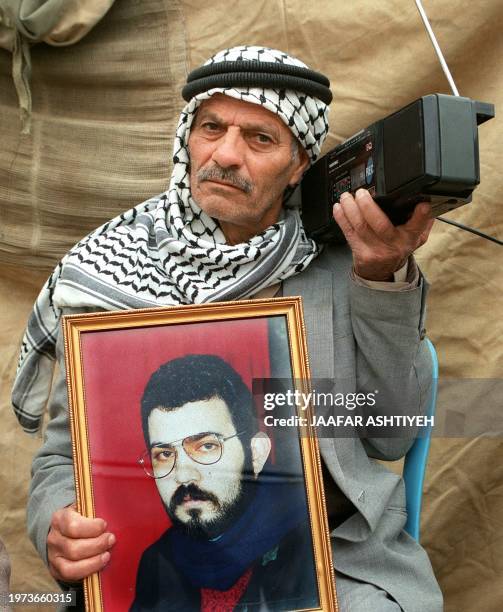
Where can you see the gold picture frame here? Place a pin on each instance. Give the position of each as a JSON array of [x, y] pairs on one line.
[[109, 356]]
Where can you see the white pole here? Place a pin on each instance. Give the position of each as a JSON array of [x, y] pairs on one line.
[[436, 46]]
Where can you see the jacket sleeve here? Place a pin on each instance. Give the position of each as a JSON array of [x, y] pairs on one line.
[[52, 485], [392, 359]]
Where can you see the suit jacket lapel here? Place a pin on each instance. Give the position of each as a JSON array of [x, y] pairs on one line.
[[315, 287]]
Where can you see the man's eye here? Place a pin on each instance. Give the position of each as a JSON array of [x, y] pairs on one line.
[[263, 138], [210, 126], [163, 455], [208, 447]]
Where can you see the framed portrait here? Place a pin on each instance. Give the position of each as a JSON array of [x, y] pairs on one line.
[[188, 441]]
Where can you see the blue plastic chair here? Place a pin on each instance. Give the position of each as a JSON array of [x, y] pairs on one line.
[[416, 459]]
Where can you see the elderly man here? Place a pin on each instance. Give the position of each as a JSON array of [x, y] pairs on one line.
[[238, 538], [224, 230]]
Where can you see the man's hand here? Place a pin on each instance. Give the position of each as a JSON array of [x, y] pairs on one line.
[[77, 546], [379, 248]]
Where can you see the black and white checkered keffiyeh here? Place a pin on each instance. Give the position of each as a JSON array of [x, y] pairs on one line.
[[167, 251]]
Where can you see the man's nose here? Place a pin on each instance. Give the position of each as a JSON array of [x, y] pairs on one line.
[[186, 469], [229, 149]]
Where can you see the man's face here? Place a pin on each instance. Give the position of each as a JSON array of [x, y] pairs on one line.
[[201, 497], [242, 160]]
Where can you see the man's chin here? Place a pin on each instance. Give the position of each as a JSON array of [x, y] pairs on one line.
[[204, 520], [204, 512], [193, 524], [220, 202]]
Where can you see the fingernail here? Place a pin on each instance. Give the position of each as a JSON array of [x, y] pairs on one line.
[[111, 539], [346, 194], [105, 558], [361, 192], [337, 206]]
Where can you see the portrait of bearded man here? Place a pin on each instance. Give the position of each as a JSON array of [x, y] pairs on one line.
[[240, 534]]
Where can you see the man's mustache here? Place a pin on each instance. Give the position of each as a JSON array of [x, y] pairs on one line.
[[194, 492], [225, 174]]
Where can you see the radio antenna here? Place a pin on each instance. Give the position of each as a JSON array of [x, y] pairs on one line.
[[436, 46]]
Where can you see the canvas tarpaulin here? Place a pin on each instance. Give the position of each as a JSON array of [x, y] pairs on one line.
[[104, 112]]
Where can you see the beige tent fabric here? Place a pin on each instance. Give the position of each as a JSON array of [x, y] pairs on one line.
[[79, 18], [57, 22], [4, 577], [104, 112]]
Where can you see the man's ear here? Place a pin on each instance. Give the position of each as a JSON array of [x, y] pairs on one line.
[[260, 448], [301, 164]]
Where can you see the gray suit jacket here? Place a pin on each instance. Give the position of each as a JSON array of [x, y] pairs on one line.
[[358, 337], [369, 339]]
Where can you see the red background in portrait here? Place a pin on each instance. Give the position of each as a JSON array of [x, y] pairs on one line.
[[117, 366]]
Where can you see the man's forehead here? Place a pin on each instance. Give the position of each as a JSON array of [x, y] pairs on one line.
[[190, 419], [231, 110]]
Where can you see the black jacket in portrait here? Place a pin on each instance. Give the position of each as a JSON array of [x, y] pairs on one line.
[[282, 579]]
